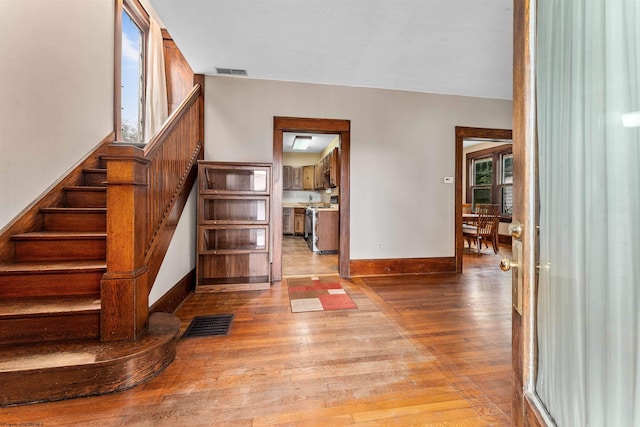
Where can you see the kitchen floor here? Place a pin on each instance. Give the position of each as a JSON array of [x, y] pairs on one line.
[[298, 259]]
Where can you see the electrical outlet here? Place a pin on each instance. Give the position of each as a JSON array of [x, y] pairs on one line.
[[379, 245]]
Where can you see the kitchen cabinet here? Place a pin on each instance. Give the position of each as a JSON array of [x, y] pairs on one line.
[[233, 226], [297, 173], [327, 231], [327, 171], [286, 177], [309, 178], [334, 168], [298, 221], [292, 177], [318, 183], [287, 221]]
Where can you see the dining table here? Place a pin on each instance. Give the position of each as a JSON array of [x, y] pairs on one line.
[[469, 217]]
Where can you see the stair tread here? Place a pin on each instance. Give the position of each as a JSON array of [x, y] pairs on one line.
[[35, 267], [42, 235], [73, 210], [25, 357], [21, 307], [85, 188]]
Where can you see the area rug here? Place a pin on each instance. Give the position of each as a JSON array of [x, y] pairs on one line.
[[318, 294]]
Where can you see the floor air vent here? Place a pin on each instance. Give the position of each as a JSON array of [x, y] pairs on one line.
[[209, 326]]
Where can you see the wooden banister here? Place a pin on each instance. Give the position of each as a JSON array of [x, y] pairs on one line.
[[143, 184]]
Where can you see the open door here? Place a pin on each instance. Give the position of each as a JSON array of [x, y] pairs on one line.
[[523, 223], [576, 328]]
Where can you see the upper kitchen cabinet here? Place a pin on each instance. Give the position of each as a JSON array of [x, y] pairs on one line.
[[286, 177], [297, 174], [327, 171], [292, 178], [309, 178], [334, 168]]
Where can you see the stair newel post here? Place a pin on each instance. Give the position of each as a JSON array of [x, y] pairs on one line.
[[124, 288]]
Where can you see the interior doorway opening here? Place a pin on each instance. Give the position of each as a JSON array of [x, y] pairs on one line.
[[335, 177], [478, 135], [310, 204]]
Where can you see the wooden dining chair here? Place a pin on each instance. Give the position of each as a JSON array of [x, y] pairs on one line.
[[485, 229]]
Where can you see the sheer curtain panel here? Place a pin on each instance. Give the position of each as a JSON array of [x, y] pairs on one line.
[[156, 108], [588, 94]]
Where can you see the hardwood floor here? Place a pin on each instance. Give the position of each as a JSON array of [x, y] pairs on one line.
[[298, 259], [419, 350]]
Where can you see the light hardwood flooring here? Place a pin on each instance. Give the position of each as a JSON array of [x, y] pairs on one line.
[[419, 350], [298, 259]]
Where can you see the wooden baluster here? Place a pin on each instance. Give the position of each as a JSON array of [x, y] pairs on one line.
[[124, 289]]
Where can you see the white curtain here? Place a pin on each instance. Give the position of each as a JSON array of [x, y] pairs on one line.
[[156, 107], [588, 80]]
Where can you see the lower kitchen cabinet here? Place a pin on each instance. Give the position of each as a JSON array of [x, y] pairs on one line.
[[298, 221], [287, 221], [328, 231]]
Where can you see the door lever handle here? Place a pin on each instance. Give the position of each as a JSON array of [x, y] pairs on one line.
[[506, 264]]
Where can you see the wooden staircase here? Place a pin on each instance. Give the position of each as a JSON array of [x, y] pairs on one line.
[[77, 265], [50, 346], [50, 291]]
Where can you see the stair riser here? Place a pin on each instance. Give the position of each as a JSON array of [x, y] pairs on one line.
[[119, 366], [94, 179], [75, 222], [55, 327], [60, 249], [40, 285], [86, 199]]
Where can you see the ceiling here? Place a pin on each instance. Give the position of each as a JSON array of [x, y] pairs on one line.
[[454, 47], [319, 142]]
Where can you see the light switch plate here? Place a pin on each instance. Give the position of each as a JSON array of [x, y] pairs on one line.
[[447, 180]]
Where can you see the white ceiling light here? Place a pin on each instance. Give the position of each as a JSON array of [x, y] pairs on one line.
[[301, 142]]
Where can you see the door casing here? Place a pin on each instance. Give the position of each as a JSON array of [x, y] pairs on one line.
[[330, 126], [463, 133]]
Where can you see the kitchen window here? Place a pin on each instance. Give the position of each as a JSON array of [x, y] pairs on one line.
[[490, 173]]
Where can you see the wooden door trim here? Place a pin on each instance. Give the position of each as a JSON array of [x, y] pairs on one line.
[[463, 133], [296, 124]]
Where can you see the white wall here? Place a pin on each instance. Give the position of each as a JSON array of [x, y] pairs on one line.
[[300, 159], [402, 145], [56, 92], [181, 255]]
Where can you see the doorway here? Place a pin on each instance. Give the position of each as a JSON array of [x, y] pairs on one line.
[[310, 208], [341, 128], [464, 134]]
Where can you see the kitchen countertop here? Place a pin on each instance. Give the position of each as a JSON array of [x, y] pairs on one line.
[[306, 205]]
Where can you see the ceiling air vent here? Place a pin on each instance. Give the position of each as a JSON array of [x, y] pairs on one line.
[[231, 71]]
